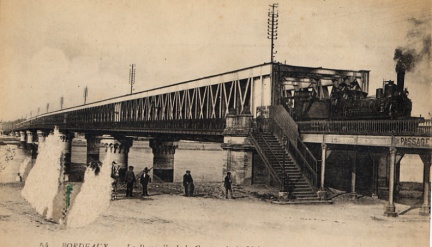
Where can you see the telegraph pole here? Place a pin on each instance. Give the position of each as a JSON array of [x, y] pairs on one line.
[[85, 94], [61, 102], [132, 76], [272, 26]]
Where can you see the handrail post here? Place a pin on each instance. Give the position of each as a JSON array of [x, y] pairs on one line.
[[283, 164]]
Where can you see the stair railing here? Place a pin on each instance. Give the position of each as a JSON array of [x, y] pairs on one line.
[[284, 127], [263, 154]]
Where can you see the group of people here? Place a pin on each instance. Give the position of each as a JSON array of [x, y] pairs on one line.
[[188, 183], [131, 179]]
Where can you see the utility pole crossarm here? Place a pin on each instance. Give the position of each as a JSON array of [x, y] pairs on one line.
[[272, 26], [132, 76]]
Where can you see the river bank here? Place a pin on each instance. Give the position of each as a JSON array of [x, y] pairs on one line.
[[170, 219]]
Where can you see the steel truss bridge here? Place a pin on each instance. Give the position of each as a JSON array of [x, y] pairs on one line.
[[194, 109], [238, 108]]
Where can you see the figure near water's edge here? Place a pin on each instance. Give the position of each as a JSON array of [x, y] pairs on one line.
[[130, 180], [115, 174], [144, 180], [228, 185], [188, 184]]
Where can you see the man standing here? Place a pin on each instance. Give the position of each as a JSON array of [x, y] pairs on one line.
[[188, 184], [115, 176], [144, 180], [227, 185], [130, 180]]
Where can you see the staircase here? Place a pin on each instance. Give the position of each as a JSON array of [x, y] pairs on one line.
[[276, 139], [283, 167]]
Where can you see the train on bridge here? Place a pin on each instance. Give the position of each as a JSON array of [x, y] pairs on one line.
[[348, 101]]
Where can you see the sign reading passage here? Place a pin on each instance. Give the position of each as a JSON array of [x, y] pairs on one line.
[[413, 141]]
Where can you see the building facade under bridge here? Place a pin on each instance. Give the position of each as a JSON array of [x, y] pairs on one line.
[[264, 116]]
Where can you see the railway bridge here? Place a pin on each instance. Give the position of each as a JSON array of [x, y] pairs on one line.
[[246, 111]]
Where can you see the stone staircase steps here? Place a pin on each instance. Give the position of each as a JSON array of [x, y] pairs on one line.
[[296, 183]]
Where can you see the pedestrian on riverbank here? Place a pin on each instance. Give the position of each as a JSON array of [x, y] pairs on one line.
[[115, 169], [130, 180], [144, 180], [188, 184], [228, 185]]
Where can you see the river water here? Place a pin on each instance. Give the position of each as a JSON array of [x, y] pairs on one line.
[[206, 165], [204, 160]]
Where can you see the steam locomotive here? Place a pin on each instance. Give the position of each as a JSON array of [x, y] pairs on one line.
[[349, 102]]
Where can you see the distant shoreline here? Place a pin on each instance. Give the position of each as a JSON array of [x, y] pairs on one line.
[[4, 140], [181, 145]]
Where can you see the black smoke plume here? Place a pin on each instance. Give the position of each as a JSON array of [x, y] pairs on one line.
[[407, 57]]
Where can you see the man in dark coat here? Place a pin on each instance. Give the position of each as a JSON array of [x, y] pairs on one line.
[[188, 184], [144, 180], [130, 180], [228, 185]]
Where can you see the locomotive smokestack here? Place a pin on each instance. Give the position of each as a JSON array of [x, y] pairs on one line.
[[400, 80], [404, 62]]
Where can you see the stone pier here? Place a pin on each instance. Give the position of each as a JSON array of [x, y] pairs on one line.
[[238, 149], [163, 159], [30, 144], [119, 147], [23, 139], [93, 147], [66, 138]]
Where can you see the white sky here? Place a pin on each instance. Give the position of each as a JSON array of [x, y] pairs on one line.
[[54, 48]]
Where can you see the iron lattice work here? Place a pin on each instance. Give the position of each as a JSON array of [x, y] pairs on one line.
[[184, 111]]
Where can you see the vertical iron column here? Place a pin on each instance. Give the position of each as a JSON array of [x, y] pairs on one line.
[[425, 208], [390, 208], [353, 176], [322, 192]]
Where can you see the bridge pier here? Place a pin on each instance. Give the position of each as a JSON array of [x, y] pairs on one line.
[[31, 146], [93, 147], [425, 208], [119, 148], [40, 139], [23, 139], [163, 159], [66, 138], [238, 149], [41, 136]]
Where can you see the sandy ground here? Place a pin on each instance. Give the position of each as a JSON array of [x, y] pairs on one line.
[[167, 218]]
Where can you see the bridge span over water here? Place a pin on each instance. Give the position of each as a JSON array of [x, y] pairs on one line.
[[243, 110]]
